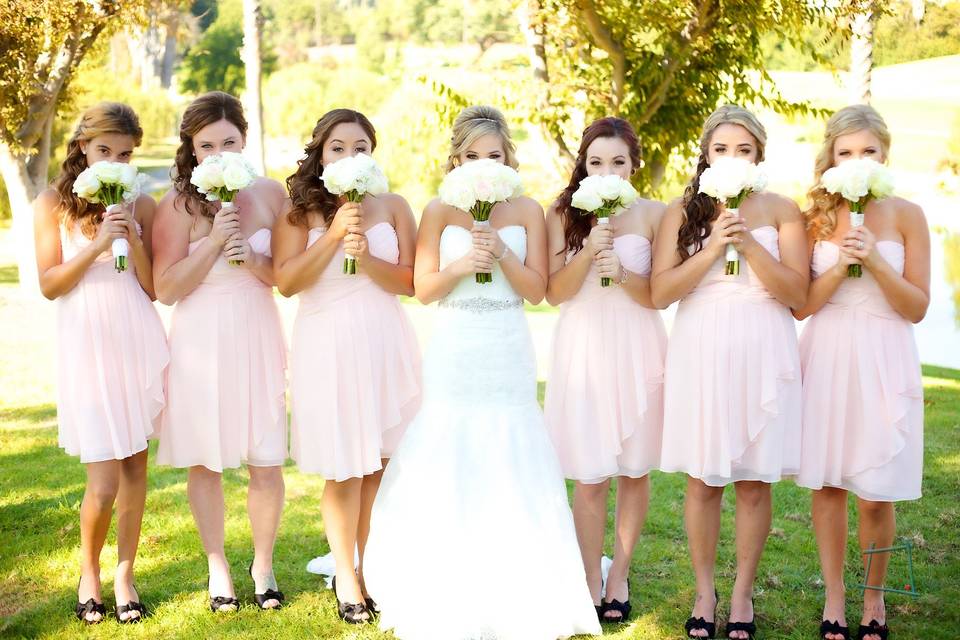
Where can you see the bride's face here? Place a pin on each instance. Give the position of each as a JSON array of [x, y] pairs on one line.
[[486, 146]]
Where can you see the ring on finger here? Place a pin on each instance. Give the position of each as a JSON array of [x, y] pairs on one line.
[[860, 244]]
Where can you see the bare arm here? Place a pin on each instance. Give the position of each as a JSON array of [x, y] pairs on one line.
[[141, 247], [670, 279], [528, 277], [176, 271], [394, 278], [298, 266], [57, 277], [566, 278], [786, 279], [637, 286], [430, 282]]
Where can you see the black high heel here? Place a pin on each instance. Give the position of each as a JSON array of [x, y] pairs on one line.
[[222, 601], [834, 628], [269, 594], [749, 627], [701, 623], [874, 628], [133, 605], [83, 609], [350, 612], [623, 608]]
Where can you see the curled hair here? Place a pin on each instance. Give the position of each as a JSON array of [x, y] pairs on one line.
[[576, 225], [102, 118], [207, 109], [821, 216], [472, 124], [700, 210], [307, 192]]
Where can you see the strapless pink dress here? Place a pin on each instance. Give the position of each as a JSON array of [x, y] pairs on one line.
[[732, 393], [862, 389], [225, 384], [354, 368], [604, 400], [111, 352]]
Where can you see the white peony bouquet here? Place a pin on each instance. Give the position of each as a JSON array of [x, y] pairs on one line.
[[859, 181], [730, 181], [354, 177], [475, 187], [603, 196], [111, 184], [220, 176]]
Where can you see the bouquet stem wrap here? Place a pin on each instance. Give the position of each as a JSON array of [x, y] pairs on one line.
[[481, 215], [856, 220], [732, 267], [119, 247], [604, 219], [349, 261], [227, 205]]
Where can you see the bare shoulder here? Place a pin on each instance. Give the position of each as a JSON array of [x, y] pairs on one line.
[[394, 202], [46, 203], [645, 211], [784, 209], [905, 212], [270, 188], [436, 213], [674, 211], [527, 206]]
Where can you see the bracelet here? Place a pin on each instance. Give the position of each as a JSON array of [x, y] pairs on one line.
[[624, 275], [506, 251]]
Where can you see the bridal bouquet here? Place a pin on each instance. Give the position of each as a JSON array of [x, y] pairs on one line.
[[603, 196], [730, 181], [475, 187], [220, 176], [111, 184], [858, 181], [354, 177]]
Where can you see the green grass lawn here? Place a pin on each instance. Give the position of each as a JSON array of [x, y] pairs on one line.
[[41, 488]]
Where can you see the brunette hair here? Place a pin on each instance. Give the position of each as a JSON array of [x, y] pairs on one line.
[[700, 210], [207, 109], [821, 216], [307, 192], [576, 225], [105, 117]]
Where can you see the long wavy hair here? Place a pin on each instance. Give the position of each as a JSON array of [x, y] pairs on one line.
[[207, 109], [576, 225], [307, 192], [472, 124], [700, 210], [821, 216], [102, 118]]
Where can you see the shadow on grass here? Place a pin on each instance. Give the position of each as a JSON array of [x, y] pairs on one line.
[[9, 274], [35, 414]]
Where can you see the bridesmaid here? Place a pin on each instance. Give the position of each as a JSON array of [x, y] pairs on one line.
[[227, 356], [111, 348], [604, 401], [355, 364], [732, 388], [862, 392]]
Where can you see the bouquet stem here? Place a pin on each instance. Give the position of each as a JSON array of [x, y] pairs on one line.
[[732, 267], [119, 247], [481, 215], [856, 220], [349, 261], [227, 205], [604, 219]]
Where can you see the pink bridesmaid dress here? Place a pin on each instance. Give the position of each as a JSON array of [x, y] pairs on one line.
[[112, 353], [862, 390], [355, 368], [604, 401], [225, 384], [732, 393]]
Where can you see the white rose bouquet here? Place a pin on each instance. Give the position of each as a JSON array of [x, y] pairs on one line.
[[603, 196], [730, 181], [111, 184], [859, 181], [354, 177], [475, 187], [220, 176]]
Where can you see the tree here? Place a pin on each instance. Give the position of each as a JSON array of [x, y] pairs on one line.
[[253, 105], [43, 42], [663, 65]]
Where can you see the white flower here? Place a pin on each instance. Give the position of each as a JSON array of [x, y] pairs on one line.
[[480, 181], [222, 175], [882, 186], [610, 192], [109, 172], [586, 199], [856, 178], [87, 184], [359, 173], [728, 178]]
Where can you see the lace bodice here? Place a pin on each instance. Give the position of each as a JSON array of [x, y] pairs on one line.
[[455, 242]]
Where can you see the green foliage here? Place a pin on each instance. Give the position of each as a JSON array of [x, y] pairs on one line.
[[678, 62], [900, 39], [214, 64]]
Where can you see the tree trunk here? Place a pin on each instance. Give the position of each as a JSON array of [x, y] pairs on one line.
[[25, 177], [172, 27], [253, 106], [861, 56]]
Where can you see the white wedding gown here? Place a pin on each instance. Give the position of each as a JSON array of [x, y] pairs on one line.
[[471, 535]]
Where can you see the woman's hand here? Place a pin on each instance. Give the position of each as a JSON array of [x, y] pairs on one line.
[[348, 219], [486, 238], [226, 225]]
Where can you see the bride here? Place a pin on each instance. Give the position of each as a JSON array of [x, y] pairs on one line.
[[471, 536]]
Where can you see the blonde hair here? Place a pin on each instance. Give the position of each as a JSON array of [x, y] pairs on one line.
[[699, 208], [105, 117], [821, 216], [472, 124]]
